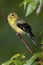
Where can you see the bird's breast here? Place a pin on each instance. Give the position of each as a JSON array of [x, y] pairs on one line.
[[17, 29]]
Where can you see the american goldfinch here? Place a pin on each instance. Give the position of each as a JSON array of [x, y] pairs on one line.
[[20, 26]]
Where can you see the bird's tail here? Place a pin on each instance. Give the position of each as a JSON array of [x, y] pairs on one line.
[[33, 38]]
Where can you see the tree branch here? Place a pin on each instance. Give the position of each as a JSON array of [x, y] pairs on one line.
[[2, 14], [25, 43]]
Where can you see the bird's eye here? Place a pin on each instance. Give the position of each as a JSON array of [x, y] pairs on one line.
[[12, 14]]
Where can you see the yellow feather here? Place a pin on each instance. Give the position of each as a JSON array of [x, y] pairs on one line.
[[12, 23]]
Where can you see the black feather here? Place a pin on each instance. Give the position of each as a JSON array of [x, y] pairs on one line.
[[27, 28], [24, 27]]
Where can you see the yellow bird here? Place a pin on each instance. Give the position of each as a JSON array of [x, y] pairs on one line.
[[20, 25]]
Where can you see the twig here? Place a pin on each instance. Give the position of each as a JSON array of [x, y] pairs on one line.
[[20, 37], [2, 14], [25, 43]]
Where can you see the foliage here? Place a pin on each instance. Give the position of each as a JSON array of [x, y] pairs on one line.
[[20, 59], [31, 6]]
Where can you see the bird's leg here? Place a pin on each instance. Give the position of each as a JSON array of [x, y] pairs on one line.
[[25, 43]]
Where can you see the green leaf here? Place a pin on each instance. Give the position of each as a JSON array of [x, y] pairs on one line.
[[32, 59], [25, 2], [18, 56], [31, 7], [8, 62], [15, 56], [13, 62], [18, 62]]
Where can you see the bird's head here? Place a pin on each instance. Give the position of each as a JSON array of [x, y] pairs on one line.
[[12, 17]]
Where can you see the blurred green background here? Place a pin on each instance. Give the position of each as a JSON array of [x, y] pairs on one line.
[[9, 42]]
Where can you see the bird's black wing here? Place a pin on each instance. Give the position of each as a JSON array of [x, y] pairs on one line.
[[24, 27], [27, 28]]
